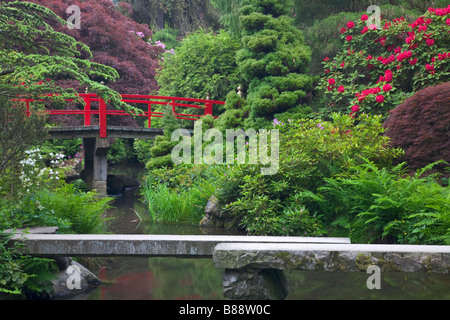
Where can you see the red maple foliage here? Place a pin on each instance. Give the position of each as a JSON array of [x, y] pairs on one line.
[[107, 32], [421, 127], [115, 40]]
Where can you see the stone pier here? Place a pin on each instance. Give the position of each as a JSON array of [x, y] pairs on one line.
[[253, 266], [96, 163]]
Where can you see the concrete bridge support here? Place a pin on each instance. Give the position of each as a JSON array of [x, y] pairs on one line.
[[96, 164]]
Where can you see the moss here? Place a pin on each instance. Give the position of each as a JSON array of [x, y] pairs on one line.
[[363, 261], [291, 262]]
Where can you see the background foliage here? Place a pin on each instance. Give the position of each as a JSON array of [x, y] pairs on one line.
[[204, 64]]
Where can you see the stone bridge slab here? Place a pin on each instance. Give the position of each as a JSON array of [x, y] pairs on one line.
[[145, 245], [332, 257], [113, 132]]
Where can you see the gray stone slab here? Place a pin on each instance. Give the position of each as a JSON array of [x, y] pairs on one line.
[[33, 230], [112, 131], [146, 245], [332, 257]]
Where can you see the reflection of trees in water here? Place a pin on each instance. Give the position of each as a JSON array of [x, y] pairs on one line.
[[186, 279], [176, 278], [315, 285]]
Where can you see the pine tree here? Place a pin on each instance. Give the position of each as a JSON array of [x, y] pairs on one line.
[[274, 58]]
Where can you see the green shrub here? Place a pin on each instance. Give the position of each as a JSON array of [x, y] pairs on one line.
[[168, 36], [22, 275], [379, 67], [66, 207], [179, 194], [273, 59], [323, 36], [142, 148], [204, 63], [386, 205], [68, 147], [310, 151], [121, 151]]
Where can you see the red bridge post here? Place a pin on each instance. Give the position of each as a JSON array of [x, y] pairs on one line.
[[208, 108], [87, 110], [149, 125], [102, 118]]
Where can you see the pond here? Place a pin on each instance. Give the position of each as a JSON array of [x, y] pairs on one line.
[[137, 278]]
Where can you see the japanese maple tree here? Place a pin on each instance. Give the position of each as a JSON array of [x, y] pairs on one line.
[[115, 40]]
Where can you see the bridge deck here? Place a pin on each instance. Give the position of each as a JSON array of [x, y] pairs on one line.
[[146, 245], [333, 256], [113, 132]]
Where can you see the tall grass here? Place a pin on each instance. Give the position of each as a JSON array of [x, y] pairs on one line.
[[174, 205]]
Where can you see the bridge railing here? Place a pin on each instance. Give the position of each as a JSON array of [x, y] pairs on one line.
[[148, 100]]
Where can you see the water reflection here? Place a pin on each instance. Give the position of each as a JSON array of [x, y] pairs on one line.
[[168, 278], [312, 285], [140, 278]]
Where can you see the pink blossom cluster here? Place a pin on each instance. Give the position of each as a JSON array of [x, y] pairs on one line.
[[440, 11]]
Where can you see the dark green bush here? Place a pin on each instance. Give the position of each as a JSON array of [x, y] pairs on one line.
[[310, 151], [204, 63], [387, 205], [71, 210]]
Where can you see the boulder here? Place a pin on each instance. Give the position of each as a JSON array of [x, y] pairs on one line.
[[255, 284], [215, 218], [73, 280]]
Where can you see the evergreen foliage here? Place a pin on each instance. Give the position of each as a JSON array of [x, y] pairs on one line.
[[229, 14], [273, 60]]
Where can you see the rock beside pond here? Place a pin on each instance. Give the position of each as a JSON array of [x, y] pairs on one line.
[[215, 218], [73, 280]]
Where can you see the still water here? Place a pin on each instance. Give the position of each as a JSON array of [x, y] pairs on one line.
[[136, 278]]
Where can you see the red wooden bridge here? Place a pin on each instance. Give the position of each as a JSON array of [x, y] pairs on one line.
[[96, 106], [96, 140]]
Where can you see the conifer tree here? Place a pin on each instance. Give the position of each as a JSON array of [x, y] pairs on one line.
[[274, 58]]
